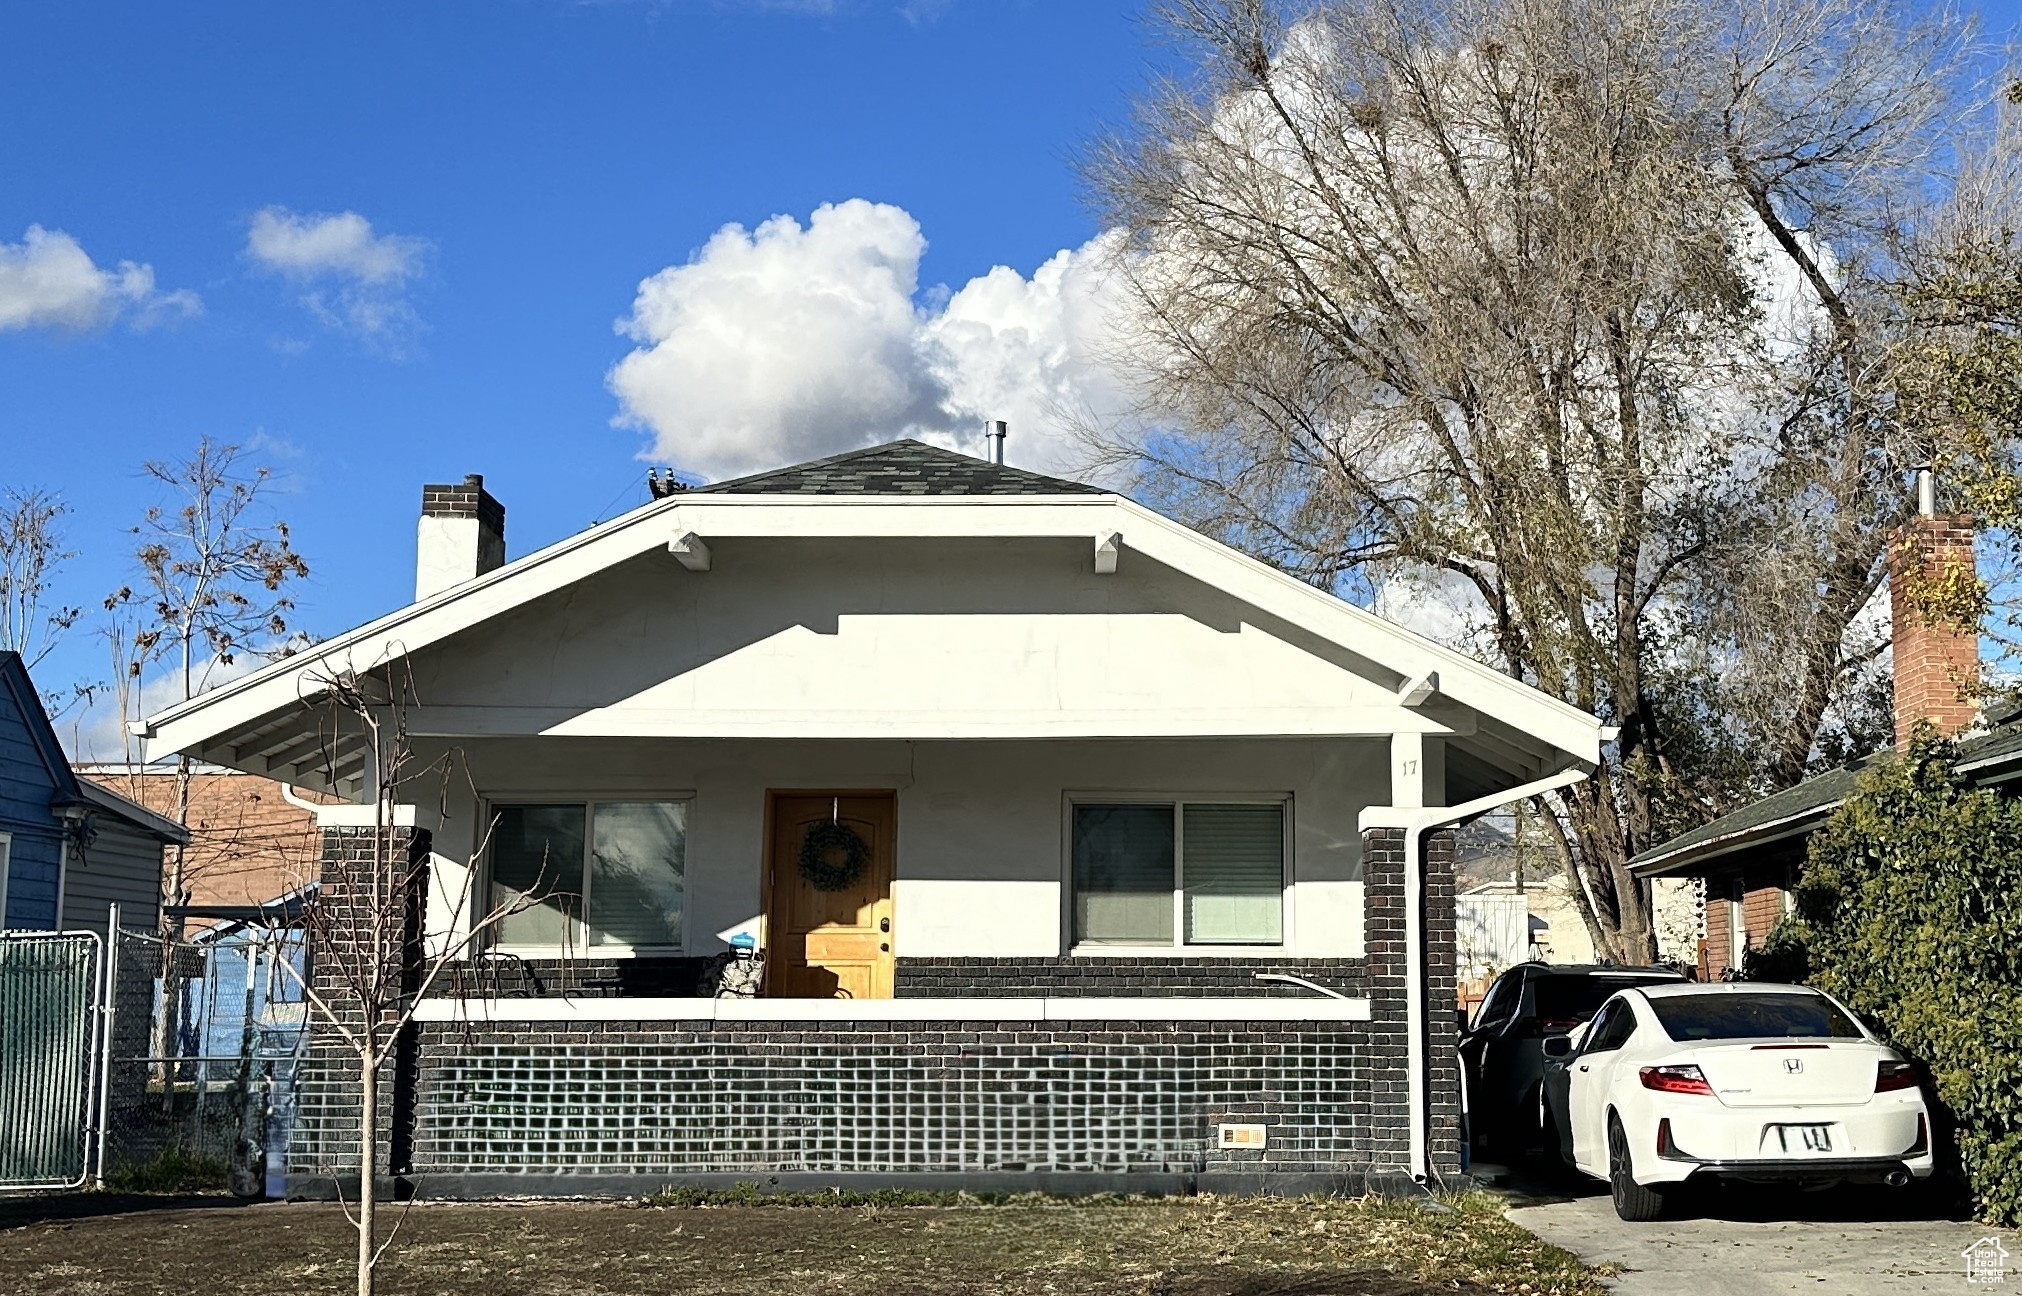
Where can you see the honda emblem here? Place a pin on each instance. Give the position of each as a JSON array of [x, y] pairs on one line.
[[1792, 1066]]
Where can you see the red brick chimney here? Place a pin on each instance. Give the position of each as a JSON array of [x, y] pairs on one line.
[[1937, 665]]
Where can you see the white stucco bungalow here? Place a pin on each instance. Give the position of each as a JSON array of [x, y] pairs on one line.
[[1082, 850]]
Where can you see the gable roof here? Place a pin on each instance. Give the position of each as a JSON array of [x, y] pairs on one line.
[[905, 467], [1989, 758], [15, 683], [244, 722], [66, 788]]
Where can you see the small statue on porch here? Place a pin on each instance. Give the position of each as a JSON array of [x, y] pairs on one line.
[[737, 972]]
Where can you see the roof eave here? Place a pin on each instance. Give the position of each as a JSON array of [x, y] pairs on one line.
[[104, 798], [1547, 720], [1685, 860]]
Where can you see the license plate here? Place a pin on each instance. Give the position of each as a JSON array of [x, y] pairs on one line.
[[1804, 1138]]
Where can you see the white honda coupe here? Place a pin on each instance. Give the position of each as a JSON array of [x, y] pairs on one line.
[[1741, 1081]]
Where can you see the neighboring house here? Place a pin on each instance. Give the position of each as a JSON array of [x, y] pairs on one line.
[[1084, 852], [1749, 860], [252, 839], [69, 849], [1551, 930]]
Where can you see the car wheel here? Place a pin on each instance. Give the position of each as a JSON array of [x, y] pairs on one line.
[[1633, 1201]]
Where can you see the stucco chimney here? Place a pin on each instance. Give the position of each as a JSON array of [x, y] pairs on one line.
[[462, 536], [1937, 666]]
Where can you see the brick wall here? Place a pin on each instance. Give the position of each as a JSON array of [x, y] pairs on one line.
[[659, 1102], [511, 977], [537, 1108], [467, 498], [1719, 951], [1135, 976], [1761, 906], [1936, 665], [1385, 918], [342, 953]]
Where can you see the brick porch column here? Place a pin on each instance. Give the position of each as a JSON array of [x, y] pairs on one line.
[[1384, 917], [325, 1139]]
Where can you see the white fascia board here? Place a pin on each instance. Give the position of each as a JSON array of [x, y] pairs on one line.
[[190, 724], [1276, 1009], [1162, 722]]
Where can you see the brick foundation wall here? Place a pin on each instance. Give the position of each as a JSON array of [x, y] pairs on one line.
[[535, 1107], [674, 1100], [1119, 977]]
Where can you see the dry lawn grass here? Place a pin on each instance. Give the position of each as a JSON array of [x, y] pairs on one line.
[[1023, 1247]]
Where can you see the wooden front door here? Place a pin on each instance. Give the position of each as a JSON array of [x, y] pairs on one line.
[[830, 944]]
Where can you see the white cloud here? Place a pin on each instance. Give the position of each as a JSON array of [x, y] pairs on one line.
[[789, 342], [342, 245], [1034, 352], [48, 281], [355, 280], [96, 732]]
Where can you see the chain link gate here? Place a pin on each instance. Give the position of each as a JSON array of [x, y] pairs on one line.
[[49, 997], [202, 1037]]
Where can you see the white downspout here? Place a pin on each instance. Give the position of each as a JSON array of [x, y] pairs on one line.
[[1416, 822]]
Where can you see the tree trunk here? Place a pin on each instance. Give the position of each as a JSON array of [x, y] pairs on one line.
[[368, 1144]]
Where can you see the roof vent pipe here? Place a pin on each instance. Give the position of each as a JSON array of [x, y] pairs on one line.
[[993, 440], [1927, 493]]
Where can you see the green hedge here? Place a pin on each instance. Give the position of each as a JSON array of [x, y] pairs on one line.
[[1909, 908]]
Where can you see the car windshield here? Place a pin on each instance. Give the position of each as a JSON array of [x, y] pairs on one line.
[[1753, 1016], [1563, 1002]]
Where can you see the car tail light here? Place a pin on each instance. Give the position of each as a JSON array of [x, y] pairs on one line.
[[1895, 1075], [1675, 1079]]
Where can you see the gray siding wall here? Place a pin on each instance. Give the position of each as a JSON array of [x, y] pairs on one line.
[[122, 866]]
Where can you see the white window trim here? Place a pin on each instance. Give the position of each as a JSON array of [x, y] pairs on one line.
[[563, 950], [1287, 932], [6, 867]]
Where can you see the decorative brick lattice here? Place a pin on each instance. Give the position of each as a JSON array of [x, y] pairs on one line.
[[637, 1098]]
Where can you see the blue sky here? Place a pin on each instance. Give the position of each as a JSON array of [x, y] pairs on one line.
[[514, 170], [550, 241]]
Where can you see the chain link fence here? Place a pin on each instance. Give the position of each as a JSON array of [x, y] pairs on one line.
[[203, 1036]]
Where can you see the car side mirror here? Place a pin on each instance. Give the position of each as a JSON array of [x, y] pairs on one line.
[[1558, 1046]]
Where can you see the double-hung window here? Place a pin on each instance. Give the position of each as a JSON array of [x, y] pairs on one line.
[[606, 876], [1179, 873]]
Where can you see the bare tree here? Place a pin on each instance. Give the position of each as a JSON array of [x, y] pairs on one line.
[[1579, 314], [371, 958], [213, 569], [31, 549]]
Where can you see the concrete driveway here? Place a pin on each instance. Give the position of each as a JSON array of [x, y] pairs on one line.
[[1750, 1241]]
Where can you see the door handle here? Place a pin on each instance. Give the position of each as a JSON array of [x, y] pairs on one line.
[[884, 924]]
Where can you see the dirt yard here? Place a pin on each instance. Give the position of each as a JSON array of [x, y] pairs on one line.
[[84, 1246]]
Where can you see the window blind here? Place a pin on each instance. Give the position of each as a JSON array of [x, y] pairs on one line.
[[1234, 873]]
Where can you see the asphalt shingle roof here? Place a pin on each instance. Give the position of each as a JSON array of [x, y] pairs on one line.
[[1816, 797], [905, 467]]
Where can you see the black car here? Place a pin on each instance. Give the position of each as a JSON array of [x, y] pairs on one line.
[[1502, 1058]]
